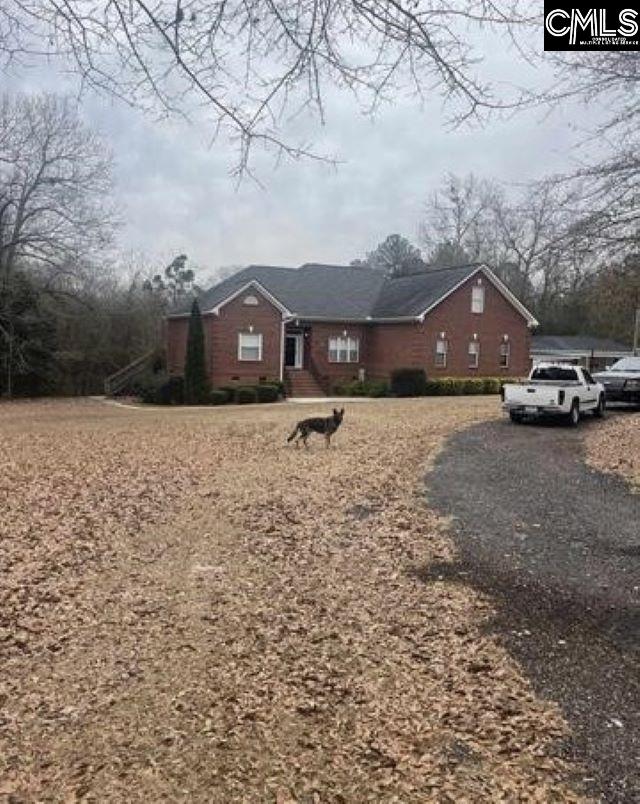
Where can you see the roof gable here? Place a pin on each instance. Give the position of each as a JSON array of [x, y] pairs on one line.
[[252, 284], [348, 293], [410, 296], [531, 320], [272, 278]]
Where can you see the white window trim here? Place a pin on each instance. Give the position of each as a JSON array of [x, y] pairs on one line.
[[507, 346], [348, 340], [475, 352], [477, 300], [444, 353], [257, 335]]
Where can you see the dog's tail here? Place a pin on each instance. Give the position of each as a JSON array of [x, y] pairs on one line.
[[294, 434]]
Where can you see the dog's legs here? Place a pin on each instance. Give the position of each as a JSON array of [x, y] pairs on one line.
[[303, 434]]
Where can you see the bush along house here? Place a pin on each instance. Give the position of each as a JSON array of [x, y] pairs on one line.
[[320, 326]]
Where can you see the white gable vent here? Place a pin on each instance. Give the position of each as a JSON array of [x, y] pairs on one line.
[[250, 301]]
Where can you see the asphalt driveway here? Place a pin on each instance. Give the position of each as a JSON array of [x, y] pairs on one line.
[[557, 546]]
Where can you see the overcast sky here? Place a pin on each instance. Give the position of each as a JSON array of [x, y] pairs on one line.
[[177, 195]]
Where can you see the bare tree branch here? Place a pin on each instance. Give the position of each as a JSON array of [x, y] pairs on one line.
[[251, 62], [606, 185], [55, 184]]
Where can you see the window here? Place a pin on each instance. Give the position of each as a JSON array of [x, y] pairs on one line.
[[588, 377], [441, 353], [627, 364], [474, 354], [344, 350], [505, 349], [250, 301], [249, 346], [554, 374], [477, 299]]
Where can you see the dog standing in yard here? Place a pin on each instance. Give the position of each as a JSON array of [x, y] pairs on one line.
[[325, 427]]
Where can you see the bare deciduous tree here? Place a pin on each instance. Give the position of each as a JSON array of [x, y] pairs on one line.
[[251, 61], [609, 180], [534, 238], [54, 203], [458, 221], [55, 185]]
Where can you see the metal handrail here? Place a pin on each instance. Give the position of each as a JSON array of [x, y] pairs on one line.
[[114, 382]]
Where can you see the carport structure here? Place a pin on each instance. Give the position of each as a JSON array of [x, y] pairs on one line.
[[592, 353]]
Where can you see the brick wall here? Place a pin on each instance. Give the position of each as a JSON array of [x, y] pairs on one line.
[[395, 346], [383, 347], [414, 345], [221, 341], [235, 317], [317, 345]]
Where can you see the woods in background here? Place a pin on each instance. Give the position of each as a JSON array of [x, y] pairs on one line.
[[55, 213], [67, 340], [537, 239], [72, 311]]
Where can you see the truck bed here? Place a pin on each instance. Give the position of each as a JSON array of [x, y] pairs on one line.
[[547, 383]]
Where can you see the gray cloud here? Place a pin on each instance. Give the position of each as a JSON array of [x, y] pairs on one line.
[[177, 193]]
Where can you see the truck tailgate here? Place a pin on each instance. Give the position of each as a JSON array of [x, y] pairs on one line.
[[531, 395]]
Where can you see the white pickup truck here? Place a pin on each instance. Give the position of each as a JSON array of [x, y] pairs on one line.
[[554, 390]]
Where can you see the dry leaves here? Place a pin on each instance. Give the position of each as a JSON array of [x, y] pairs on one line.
[[614, 447], [193, 610]]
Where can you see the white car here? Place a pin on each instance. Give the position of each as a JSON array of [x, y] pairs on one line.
[[554, 390]]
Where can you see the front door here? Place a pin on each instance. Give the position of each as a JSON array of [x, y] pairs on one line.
[[293, 351]]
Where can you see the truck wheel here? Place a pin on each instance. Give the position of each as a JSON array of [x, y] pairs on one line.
[[574, 414], [516, 418], [599, 411]]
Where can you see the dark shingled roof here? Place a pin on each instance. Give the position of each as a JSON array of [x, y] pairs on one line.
[[412, 295], [575, 343], [341, 292], [312, 290]]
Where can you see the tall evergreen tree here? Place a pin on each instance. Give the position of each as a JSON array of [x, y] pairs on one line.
[[196, 382], [396, 256]]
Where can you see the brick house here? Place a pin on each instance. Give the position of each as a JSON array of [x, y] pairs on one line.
[[318, 325]]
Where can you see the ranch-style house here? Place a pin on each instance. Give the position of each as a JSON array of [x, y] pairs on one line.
[[316, 326]]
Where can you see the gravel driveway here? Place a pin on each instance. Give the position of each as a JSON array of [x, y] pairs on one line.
[[557, 546]]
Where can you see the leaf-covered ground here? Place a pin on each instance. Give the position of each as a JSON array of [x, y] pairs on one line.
[[614, 447], [192, 610]]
